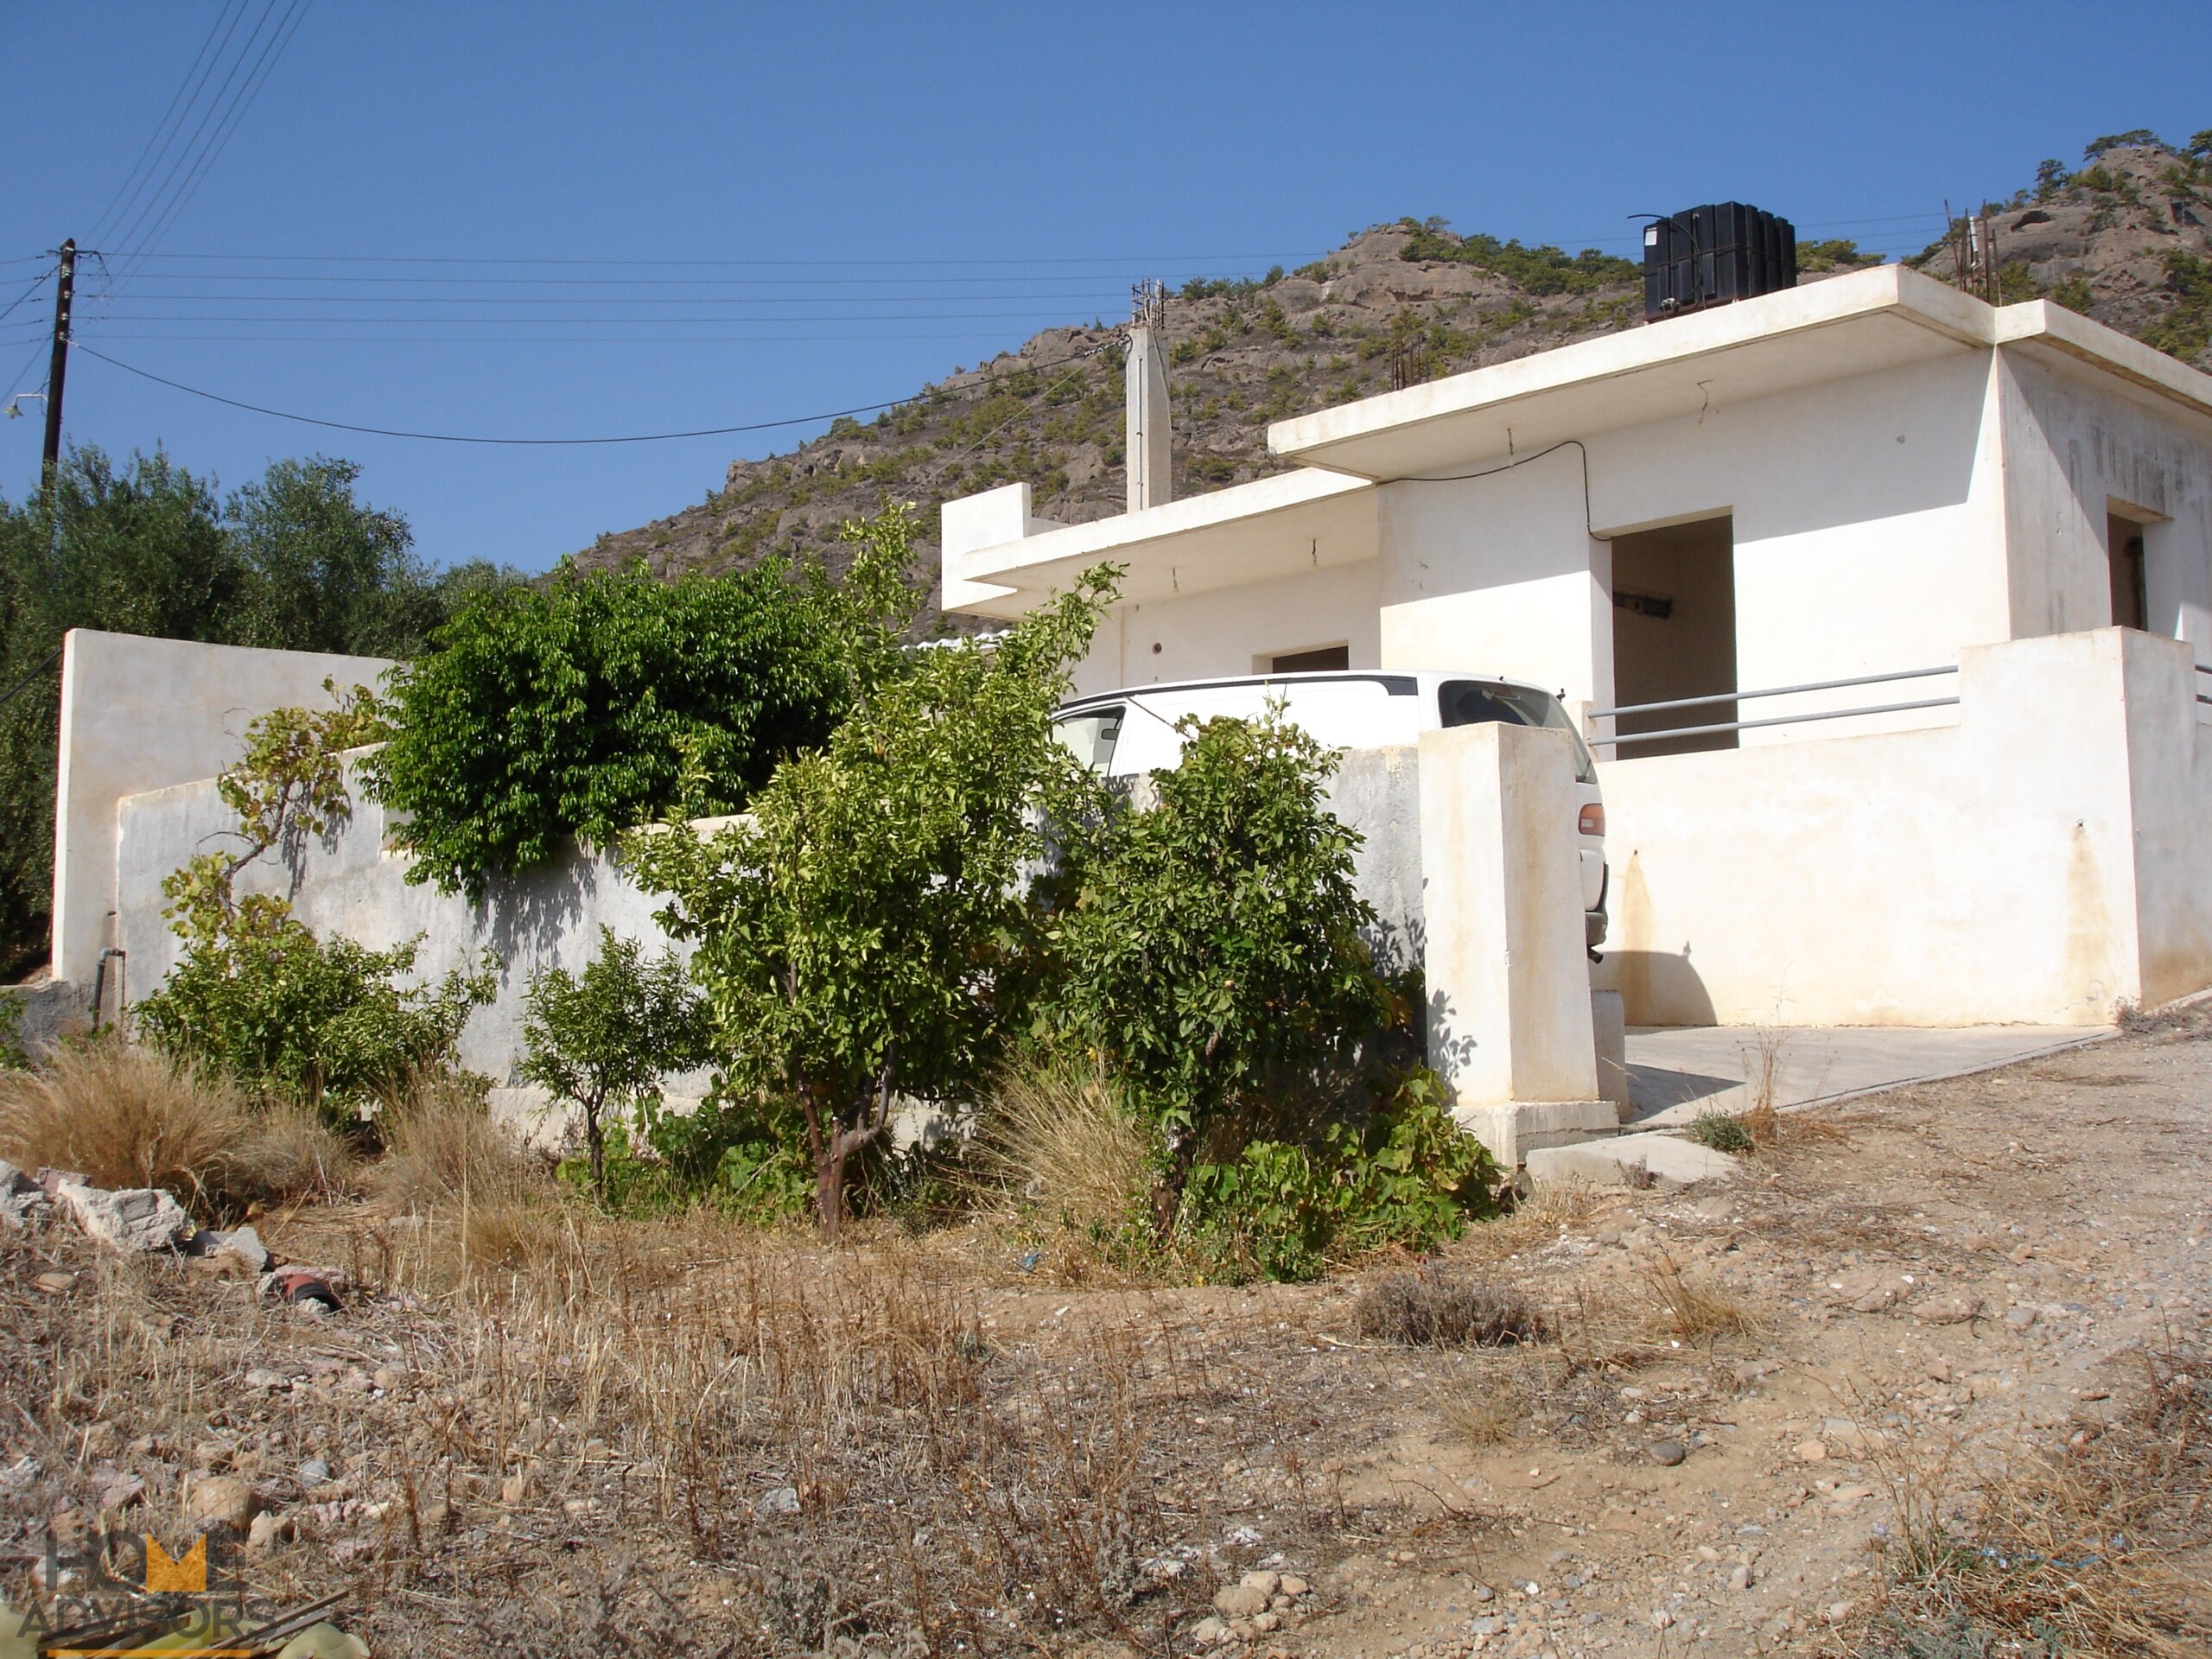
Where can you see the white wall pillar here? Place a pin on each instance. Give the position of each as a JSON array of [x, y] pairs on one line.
[[1510, 1027], [1151, 462]]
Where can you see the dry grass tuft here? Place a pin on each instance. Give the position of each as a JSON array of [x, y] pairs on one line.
[[126, 1117], [442, 1151], [1428, 1309], [2071, 1548], [1695, 1311], [1482, 1411], [1065, 1149]]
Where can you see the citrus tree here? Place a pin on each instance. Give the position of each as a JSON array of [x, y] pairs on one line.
[[868, 932]]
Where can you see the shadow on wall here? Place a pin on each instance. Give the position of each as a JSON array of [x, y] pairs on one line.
[[1660, 988], [1657, 987]]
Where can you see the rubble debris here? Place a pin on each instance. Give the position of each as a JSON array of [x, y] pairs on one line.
[[136, 1218]]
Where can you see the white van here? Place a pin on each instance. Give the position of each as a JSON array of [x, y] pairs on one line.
[[1126, 734]]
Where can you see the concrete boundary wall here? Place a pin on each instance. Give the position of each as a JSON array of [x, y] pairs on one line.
[[140, 714], [2042, 859]]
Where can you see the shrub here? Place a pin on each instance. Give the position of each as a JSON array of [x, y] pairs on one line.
[[124, 1117], [606, 1038], [868, 931], [1213, 953], [255, 994], [1722, 1131], [745, 1153], [326, 1022], [596, 703], [1406, 1179], [1433, 1309]]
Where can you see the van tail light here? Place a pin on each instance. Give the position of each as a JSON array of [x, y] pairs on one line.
[[1592, 821]]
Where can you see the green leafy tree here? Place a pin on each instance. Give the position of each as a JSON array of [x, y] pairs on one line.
[[145, 547], [868, 931], [583, 707], [606, 1037], [1215, 953], [256, 992]]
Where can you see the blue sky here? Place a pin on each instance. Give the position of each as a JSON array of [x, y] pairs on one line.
[[872, 194]]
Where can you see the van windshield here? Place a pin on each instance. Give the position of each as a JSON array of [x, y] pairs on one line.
[[1091, 736], [1473, 703]]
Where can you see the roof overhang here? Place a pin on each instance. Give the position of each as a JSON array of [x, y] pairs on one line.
[[1871, 319], [1275, 526]]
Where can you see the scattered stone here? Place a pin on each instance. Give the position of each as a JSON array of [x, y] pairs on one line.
[[136, 1218], [515, 1487], [1811, 1451], [1667, 1453], [1293, 1586], [781, 1500], [51, 1181], [267, 1531], [224, 1498], [1209, 1632], [261, 1379], [117, 1490], [57, 1283], [1958, 1308], [1741, 1579], [241, 1243], [2020, 1318], [313, 1474], [1240, 1600]]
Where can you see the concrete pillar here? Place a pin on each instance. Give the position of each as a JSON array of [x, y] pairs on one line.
[[1151, 465], [1509, 1026]]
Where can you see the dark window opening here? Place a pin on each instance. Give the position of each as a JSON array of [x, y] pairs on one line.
[[1311, 662], [1675, 633]]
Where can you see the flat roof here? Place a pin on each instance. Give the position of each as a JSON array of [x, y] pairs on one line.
[[1272, 526], [1878, 318]]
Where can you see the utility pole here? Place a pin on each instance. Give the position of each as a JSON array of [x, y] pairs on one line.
[[58, 367], [1151, 464]]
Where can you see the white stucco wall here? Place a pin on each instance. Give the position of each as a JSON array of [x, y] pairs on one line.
[[2042, 859], [2077, 447], [1233, 630], [138, 714], [348, 885]]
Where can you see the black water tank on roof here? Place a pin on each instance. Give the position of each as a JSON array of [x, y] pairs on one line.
[[1712, 254]]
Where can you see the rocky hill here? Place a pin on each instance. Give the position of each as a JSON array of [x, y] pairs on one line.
[[2128, 239]]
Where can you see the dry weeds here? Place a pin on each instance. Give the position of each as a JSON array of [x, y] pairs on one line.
[[2071, 1548], [443, 1149], [1430, 1308], [124, 1116]]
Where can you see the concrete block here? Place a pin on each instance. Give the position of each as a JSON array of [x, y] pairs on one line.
[[1669, 1160], [1515, 1130], [1610, 1026]]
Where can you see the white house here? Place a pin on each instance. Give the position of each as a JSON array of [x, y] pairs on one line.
[[1995, 521]]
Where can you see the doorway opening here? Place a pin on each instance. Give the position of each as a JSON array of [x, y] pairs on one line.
[[2130, 587], [1675, 633]]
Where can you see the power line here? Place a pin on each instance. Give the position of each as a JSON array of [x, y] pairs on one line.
[[135, 178], [133, 222], [257, 78], [36, 284], [448, 437], [1076, 298], [653, 321], [748, 264]]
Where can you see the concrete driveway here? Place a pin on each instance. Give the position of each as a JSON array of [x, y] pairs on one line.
[[1676, 1073]]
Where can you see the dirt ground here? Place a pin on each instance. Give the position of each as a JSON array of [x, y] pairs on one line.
[[1756, 1402]]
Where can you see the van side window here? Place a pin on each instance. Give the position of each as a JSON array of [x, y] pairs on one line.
[[1090, 736], [1476, 703]]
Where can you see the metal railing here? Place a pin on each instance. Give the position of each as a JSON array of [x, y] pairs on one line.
[[1779, 719]]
